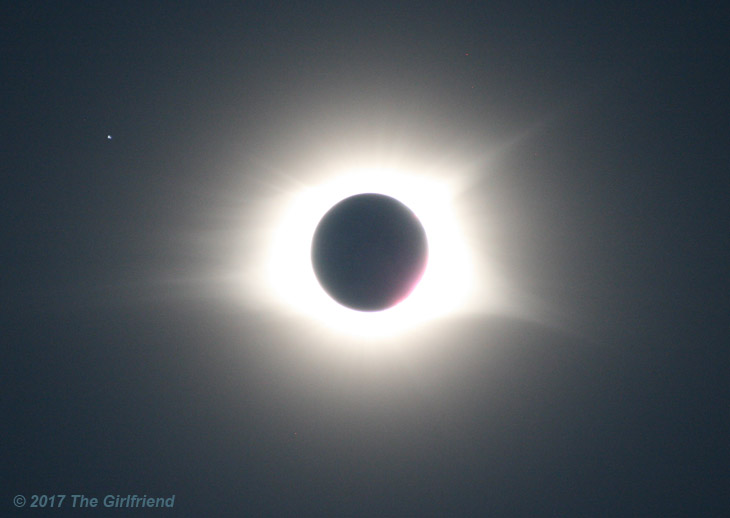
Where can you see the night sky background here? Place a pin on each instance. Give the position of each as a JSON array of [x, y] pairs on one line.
[[123, 372]]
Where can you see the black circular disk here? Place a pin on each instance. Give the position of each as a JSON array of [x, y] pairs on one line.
[[369, 251]]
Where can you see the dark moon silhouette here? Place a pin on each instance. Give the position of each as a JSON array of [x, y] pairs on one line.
[[369, 251]]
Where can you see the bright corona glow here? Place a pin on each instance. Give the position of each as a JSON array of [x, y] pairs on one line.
[[444, 288]]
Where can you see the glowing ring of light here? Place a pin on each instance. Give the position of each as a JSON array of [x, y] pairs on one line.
[[444, 289]]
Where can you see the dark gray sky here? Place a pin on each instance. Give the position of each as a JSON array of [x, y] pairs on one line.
[[598, 142]]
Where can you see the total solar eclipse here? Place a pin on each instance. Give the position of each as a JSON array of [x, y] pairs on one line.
[[369, 251]]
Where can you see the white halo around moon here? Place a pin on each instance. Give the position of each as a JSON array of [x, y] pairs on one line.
[[457, 281], [264, 267], [445, 288]]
